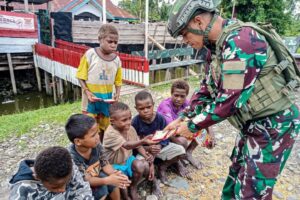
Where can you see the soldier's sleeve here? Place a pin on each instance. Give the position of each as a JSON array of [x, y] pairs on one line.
[[80, 189], [200, 98], [244, 53]]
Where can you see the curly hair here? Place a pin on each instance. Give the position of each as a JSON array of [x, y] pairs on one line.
[[78, 125], [119, 106], [53, 163], [142, 95], [107, 29], [180, 84]]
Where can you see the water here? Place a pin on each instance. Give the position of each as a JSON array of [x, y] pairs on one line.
[[25, 102]]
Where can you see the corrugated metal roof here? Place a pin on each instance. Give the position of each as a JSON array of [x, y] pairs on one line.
[[116, 11], [68, 5]]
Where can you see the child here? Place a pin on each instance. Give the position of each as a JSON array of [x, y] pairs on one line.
[[120, 139], [98, 71], [170, 109], [88, 155], [148, 122], [52, 175]]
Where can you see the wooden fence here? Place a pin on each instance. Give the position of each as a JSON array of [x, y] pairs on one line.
[[63, 61], [87, 32]]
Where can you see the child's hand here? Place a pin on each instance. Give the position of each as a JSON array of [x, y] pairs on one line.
[[91, 97], [155, 149], [149, 158], [148, 140], [116, 97], [151, 172], [118, 179]]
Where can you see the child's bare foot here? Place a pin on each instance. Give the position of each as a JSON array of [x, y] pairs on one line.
[[134, 193], [161, 172], [156, 189], [183, 171], [190, 158]]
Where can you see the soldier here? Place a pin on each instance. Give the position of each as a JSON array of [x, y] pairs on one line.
[[249, 80]]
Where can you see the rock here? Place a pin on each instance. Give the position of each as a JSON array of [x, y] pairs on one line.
[[278, 194], [292, 198], [173, 197], [151, 197], [218, 136], [290, 188], [206, 174], [26, 86], [143, 193], [179, 183], [221, 180], [207, 151], [171, 190]]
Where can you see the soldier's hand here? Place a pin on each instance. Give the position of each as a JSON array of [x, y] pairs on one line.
[[184, 131], [173, 125]]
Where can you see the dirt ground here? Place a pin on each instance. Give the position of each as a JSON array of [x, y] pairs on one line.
[[207, 183]]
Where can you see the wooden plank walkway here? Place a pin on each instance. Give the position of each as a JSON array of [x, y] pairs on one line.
[[130, 89]]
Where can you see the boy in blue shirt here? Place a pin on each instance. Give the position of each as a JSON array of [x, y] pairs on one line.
[[148, 122]]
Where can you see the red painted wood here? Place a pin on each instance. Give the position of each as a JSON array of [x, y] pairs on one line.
[[23, 33]]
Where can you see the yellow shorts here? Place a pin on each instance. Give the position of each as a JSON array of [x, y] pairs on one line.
[[102, 121]]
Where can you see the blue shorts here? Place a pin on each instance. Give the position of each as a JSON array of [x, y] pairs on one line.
[[103, 190], [127, 167]]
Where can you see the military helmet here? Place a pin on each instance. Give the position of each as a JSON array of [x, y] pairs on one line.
[[183, 11]]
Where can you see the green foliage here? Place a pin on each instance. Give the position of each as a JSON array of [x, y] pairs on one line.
[[18, 124], [293, 28], [267, 11], [158, 10]]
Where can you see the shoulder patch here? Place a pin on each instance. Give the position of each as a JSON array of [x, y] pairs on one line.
[[233, 81], [234, 65]]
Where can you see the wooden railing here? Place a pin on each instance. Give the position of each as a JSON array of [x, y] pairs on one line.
[[62, 61]]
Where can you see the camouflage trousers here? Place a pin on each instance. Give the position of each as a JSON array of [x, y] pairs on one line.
[[260, 153]]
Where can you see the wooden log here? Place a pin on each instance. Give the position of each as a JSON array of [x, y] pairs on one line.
[[20, 67], [47, 83], [61, 90], [54, 89], [37, 71], [11, 71]]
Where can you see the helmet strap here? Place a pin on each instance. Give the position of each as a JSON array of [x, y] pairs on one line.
[[206, 31]]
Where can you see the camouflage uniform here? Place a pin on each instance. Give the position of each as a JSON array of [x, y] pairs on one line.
[[263, 145]]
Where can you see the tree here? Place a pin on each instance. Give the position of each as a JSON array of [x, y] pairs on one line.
[[158, 9], [267, 11]]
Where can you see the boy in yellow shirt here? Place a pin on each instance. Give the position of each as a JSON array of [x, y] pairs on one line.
[[99, 70]]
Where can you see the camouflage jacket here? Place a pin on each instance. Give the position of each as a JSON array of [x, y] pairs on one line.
[[24, 186], [221, 94]]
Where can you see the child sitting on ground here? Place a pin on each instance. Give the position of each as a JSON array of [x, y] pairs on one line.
[[148, 122], [120, 139], [99, 70], [88, 155], [170, 109], [52, 175]]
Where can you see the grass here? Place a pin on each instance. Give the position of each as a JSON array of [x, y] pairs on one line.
[[18, 124], [193, 82]]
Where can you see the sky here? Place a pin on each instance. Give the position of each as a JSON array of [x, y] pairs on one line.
[[115, 1]]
